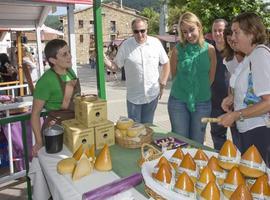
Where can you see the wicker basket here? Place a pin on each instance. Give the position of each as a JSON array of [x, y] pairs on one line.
[[153, 194], [131, 144], [148, 153]]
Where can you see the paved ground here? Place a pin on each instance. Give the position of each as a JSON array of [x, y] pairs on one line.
[[116, 96]]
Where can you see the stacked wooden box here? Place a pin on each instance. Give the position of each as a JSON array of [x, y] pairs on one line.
[[90, 125]]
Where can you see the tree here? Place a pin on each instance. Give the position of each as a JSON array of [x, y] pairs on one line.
[[153, 22], [208, 11]]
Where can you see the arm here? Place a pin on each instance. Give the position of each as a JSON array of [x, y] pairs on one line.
[[36, 125], [213, 63], [173, 62], [110, 64], [252, 111], [163, 78]]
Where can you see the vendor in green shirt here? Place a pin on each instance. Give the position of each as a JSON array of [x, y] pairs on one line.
[[54, 90]]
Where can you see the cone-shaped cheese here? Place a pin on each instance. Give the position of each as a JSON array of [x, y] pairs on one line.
[[261, 186], [66, 166], [251, 155], [163, 160], [163, 175], [200, 155], [189, 163], [83, 168], [103, 160], [177, 156], [184, 183], [205, 177], [78, 153], [90, 152], [217, 170], [241, 193], [234, 178], [124, 123], [211, 192], [228, 150]]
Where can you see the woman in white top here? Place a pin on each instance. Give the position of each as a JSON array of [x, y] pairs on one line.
[[232, 59], [251, 85]]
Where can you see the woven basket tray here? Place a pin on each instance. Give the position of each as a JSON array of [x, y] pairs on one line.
[[152, 194], [148, 153], [127, 143]]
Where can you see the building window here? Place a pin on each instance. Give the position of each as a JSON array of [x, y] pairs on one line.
[[91, 21], [80, 23], [81, 38], [113, 26]]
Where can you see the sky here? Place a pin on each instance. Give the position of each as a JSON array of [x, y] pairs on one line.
[[63, 10]]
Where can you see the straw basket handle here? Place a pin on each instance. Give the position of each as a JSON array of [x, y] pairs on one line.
[[150, 154]]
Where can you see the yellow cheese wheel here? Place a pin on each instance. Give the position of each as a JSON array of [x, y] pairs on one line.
[[66, 166], [124, 123], [136, 130]]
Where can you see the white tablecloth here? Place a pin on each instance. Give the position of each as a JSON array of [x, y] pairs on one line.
[[47, 182]]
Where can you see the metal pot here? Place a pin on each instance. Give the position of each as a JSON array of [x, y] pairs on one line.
[[54, 138]]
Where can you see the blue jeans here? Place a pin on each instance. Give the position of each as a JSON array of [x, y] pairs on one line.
[[142, 113], [187, 123]]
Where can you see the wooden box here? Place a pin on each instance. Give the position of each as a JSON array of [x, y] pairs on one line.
[[90, 112], [76, 133], [104, 134]]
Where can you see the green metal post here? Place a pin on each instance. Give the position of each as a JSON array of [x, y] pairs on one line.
[[26, 160], [99, 49]]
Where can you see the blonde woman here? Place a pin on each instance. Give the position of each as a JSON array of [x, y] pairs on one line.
[[193, 65]]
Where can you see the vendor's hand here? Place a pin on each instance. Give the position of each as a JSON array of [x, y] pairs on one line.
[[35, 149], [228, 119], [227, 103]]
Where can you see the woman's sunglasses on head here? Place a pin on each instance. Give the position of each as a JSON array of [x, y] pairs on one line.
[[139, 31]]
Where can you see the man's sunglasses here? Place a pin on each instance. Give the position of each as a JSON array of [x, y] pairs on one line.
[[139, 31]]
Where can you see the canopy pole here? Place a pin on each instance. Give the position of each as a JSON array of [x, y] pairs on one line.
[[19, 58], [99, 49]]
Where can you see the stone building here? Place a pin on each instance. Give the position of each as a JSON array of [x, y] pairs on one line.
[[116, 25]]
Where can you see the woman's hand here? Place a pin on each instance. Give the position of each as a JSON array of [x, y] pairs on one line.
[[227, 103], [228, 119], [35, 149]]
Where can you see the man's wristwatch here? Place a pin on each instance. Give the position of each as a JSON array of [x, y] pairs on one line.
[[241, 117]]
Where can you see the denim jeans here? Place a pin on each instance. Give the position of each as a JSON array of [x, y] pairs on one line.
[[187, 123], [142, 113]]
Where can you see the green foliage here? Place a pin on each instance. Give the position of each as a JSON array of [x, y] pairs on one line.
[[208, 11], [153, 22], [53, 22]]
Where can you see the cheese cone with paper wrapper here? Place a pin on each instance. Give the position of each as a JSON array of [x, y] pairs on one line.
[[161, 161], [103, 161], [210, 192], [78, 153], [163, 175], [241, 193], [83, 168], [229, 156], [66, 166], [124, 123], [261, 188], [185, 186], [217, 170], [252, 164], [206, 176], [136, 130], [90, 152], [177, 157], [188, 165], [232, 181], [200, 158]]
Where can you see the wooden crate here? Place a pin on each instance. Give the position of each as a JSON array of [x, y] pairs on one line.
[[104, 134], [76, 133], [90, 112]]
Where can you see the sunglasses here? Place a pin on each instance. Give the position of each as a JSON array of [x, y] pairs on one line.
[[139, 31]]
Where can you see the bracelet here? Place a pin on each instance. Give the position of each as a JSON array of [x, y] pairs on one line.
[[241, 117]]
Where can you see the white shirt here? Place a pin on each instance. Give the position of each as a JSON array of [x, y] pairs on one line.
[[33, 68], [260, 69], [141, 63], [231, 65]]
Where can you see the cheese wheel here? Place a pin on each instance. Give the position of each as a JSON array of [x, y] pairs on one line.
[[124, 123], [136, 130], [66, 166]]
